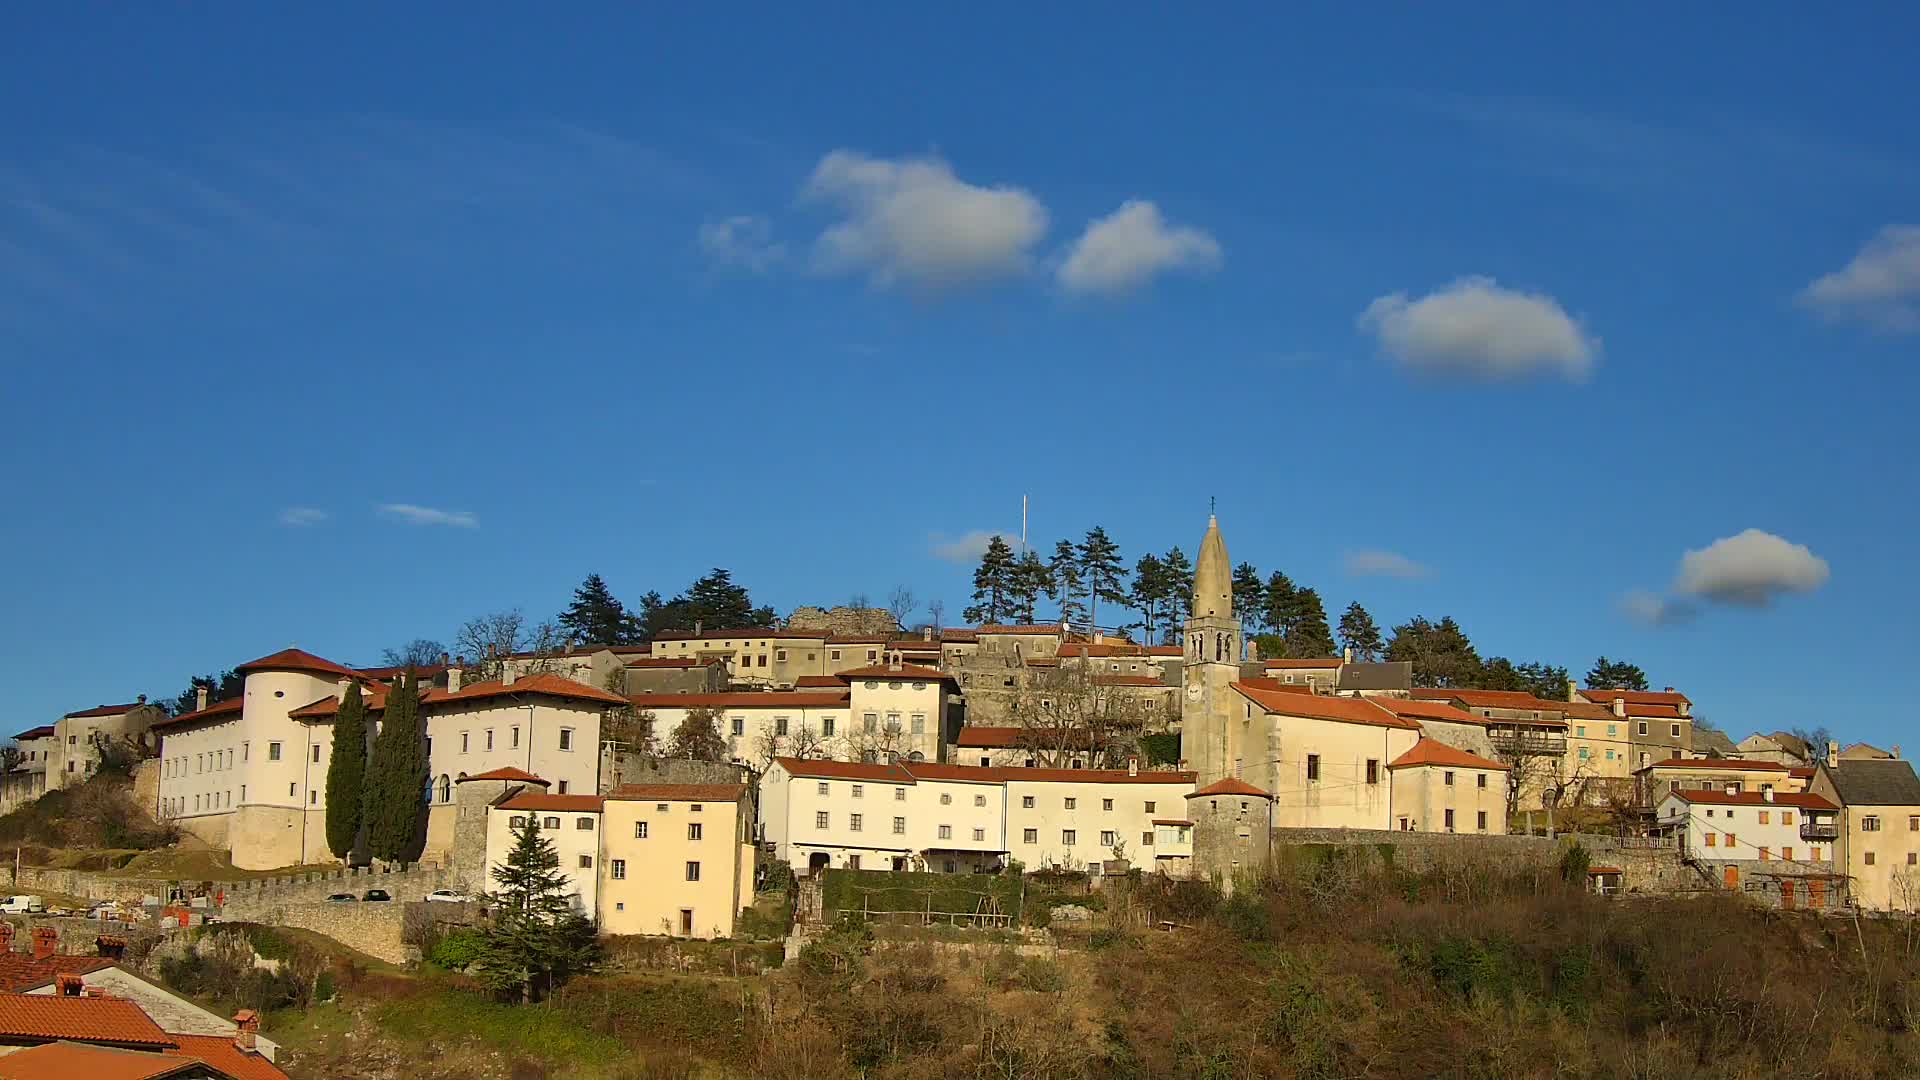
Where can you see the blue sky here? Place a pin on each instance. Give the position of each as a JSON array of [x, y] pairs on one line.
[[1538, 307]]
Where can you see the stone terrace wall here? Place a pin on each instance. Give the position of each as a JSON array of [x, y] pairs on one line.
[[374, 929], [1647, 868], [287, 888]]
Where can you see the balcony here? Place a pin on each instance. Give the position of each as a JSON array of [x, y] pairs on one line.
[[1819, 830], [1527, 743]]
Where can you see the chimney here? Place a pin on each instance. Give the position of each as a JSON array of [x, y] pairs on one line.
[[699, 627], [46, 942], [507, 673], [1573, 690], [1767, 793], [67, 984], [454, 675], [1620, 707], [1253, 651], [1896, 750], [1833, 754], [1346, 655], [111, 946], [1133, 766], [6, 937], [341, 690], [926, 633], [199, 698], [246, 1024], [444, 659], [142, 699]]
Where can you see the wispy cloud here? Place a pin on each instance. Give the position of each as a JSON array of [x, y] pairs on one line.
[[301, 516], [742, 242], [1376, 563], [1475, 328], [414, 514], [1880, 287], [965, 548]]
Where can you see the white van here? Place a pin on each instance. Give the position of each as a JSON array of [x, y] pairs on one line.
[[22, 905]]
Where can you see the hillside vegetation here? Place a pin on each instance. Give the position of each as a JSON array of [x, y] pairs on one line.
[[99, 813]]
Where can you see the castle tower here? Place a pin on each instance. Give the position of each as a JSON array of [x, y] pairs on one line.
[[1208, 709]]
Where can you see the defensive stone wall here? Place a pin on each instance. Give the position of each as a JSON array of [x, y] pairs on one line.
[[374, 929], [286, 888]]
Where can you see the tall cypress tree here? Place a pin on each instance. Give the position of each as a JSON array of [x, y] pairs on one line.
[[397, 776], [347, 774]]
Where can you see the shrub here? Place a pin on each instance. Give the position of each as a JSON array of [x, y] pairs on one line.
[[458, 950], [1574, 863]]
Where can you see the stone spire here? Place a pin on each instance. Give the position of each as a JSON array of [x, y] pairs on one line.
[[1213, 576]]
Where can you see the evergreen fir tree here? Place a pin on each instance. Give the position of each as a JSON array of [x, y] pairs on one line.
[[396, 786], [347, 774], [1310, 636], [1360, 633], [698, 737], [1279, 610], [1249, 598], [1029, 579], [993, 584], [1153, 591], [1102, 573], [1440, 652], [537, 939], [596, 617], [1180, 575], [1616, 675], [1065, 584]]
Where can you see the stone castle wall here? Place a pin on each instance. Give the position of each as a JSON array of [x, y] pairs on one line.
[[843, 620]]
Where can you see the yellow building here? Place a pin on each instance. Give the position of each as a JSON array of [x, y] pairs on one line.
[[1438, 788], [1877, 841], [676, 860]]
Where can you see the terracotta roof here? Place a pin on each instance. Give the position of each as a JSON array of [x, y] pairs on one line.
[[768, 699], [78, 1061], [21, 972], [573, 804], [426, 671], [980, 736], [508, 773], [1042, 661], [1486, 699], [1092, 776], [820, 681], [1805, 800], [1317, 707], [1717, 763], [680, 792], [1638, 697], [858, 639], [220, 1052], [913, 645], [966, 774], [1129, 680], [1010, 629], [44, 731], [1262, 682], [887, 671], [84, 1019], [909, 772], [219, 710], [1802, 772], [1428, 710], [104, 710], [545, 684], [670, 662], [1284, 663], [822, 769], [1654, 712], [750, 633], [1171, 821], [1117, 648], [1585, 710], [1435, 752], [959, 636], [1229, 786], [294, 660]]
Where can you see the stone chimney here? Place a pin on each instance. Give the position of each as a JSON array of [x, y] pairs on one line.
[[46, 942], [926, 633], [1253, 651], [454, 675], [1346, 655], [1620, 707], [6, 937], [1833, 754], [507, 672], [340, 689], [1133, 766], [699, 627], [1767, 793], [445, 660], [141, 700], [1573, 690], [199, 698], [246, 1024], [67, 984]]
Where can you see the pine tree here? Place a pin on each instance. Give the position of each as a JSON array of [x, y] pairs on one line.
[[537, 939], [347, 774], [1180, 575], [396, 786], [1279, 612], [1065, 587], [596, 617], [993, 584], [1250, 598], [1440, 652], [1101, 572], [1360, 633], [1028, 579], [1153, 591], [1310, 636], [1616, 675], [698, 737]]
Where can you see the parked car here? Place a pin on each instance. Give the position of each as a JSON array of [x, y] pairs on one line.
[[343, 898], [23, 905], [376, 895], [60, 912], [448, 896]]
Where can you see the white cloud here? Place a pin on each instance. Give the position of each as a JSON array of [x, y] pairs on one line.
[[1129, 246], [301, 516], [1749, 570], [427, 515], [1647, 606], [1475, 328], [743, 242], [1383, 564], [965, 548], [1880, 287], [913, 220]]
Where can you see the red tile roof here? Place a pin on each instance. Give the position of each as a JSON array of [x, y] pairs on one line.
[[1802, 772], [425, 671], [1654, 712], [1262, 682], [1129, 680], [1435, 752], [1805, 800], [104, 710], [765, 699], [1586, 710], [959, 636], [1718, 763], [1428, 710], [1171, 821], [573, 804], [1229, 786], [1010, 629], [219, 710], [1283, 663], [670, 662], [220, 1052], [1638, 697], [1318, 707], [21, 972], [78, 1061], [749, 633], [112, 1020], [1117, 648], [908, 772], [508, 773], [858, 639], [44, 731], [545, 684], [1091, 776], [822, 769], [680, 792], [819, 681], [888, 671], [980, 736], [295, 660], [1486, 699]]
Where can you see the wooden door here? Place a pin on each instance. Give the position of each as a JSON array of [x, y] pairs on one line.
[[1786, 895], [1733, 877], [1816, 894]]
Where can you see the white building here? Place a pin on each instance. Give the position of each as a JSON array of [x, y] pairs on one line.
[[571, 822], [1758, 826], [748, 720]]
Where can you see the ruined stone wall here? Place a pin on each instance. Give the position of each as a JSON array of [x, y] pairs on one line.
[[843, 620]]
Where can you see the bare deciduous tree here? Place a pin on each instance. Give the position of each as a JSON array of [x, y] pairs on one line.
[[486, 640], [937, 611], [900, 604], [1067, 713]]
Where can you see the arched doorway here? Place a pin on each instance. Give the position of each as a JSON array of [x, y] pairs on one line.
[[817, 862]]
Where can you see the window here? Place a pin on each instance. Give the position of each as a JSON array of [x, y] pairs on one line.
[[1583, 753], [833, 654], [313, 797], [1067, 837], [245, 750], [1765, 818], [1580, 731], [739, 725], [872, 655], [1481, 780], [516, 736], [820, 819], [273, 751], [550, 823], [899, 794], [586, 862], [1913, 823], [584, 824], [566, 738], [315, 748], [820, 788], [693, 874], [853, 823], [1026, 802], [1313, 767], [463, 742], [1072, 802], [693, 828], [1643, 727], [1030, 836], [661, 808], [1150, 805], [826, 726], [1913, 858], [918, 724], [946, 832], [1609, 755], [1146, 839], [779, 656], [1869, 858], [563, 787], [1870, 823], [1449, 821], [695, 808], [979, 835], [489, 738], [1106, 804], [1676, 731], [1107, 838], [899, 826], [618, 870], [1765, 855], [946, 798], [1730, 840], [1786, 853], [893, 721], [1373, 770], [290, 789], [859, 791], [1481, 823], [870, 722], [639, 830], [780, 725], [1447, 777], [1817, 856]]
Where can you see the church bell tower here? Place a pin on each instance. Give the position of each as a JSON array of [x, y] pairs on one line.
[[1208, 709]]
